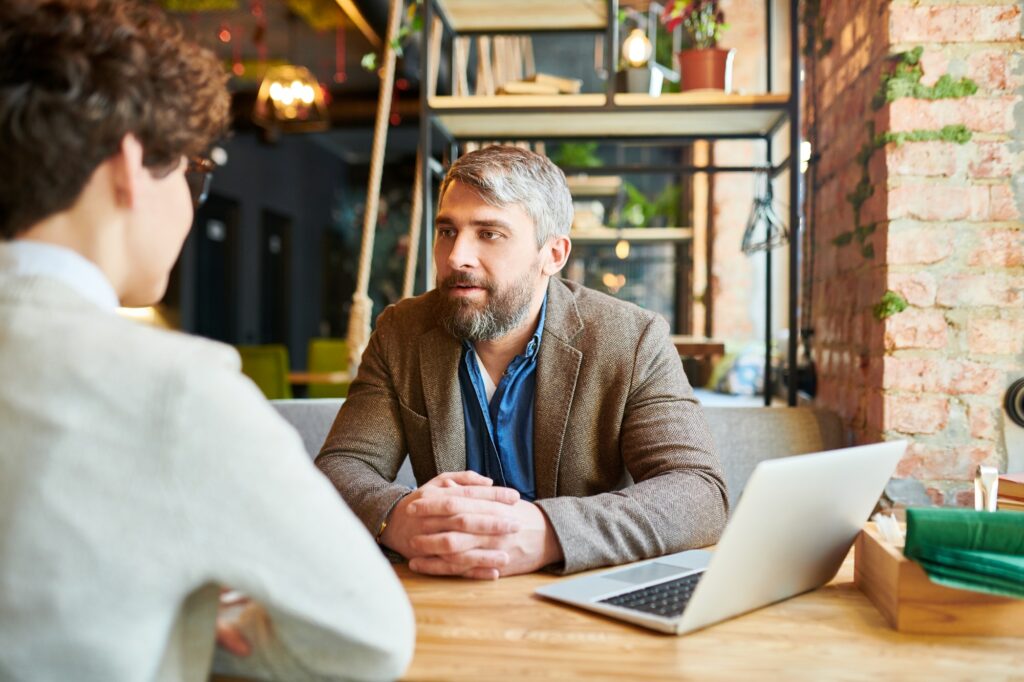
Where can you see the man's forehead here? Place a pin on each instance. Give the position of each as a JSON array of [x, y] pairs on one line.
[[459, 197]]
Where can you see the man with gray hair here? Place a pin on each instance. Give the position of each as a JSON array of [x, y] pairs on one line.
[[548, 425]]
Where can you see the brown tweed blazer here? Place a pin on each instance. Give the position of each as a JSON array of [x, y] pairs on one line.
[[612, 408]]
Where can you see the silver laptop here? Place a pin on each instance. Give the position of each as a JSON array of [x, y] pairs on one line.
[[789, 534]]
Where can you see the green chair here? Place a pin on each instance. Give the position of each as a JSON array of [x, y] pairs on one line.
[[327, 355], [267, 366]]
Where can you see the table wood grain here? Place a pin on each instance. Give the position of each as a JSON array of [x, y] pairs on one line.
[[499, 631]]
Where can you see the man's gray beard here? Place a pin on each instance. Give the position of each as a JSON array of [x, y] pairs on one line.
[[503, 312]]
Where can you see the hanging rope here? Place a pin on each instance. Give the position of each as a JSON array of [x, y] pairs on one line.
[[362, 306], [413, 257]]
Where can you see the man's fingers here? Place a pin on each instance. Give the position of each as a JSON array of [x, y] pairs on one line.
[[460, 477], [459, 564], [482, 574], [457, 503], [495, 494], [447, 543], [477, 524], [229, 637]]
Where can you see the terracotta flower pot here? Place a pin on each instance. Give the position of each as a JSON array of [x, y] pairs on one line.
[[706, 69]]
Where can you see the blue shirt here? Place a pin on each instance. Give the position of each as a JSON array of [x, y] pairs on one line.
[[499, 434]]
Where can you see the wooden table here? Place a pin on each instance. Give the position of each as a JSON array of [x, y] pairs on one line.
[[299, 378], [498, 631], [698, 346]]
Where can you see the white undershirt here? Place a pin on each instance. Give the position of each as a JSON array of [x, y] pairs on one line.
[[32, 258], [489, 387]]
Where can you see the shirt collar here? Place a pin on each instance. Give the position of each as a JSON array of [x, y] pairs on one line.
[[32, 258]]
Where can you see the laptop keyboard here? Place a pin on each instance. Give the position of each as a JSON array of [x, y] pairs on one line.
[[666, 599]]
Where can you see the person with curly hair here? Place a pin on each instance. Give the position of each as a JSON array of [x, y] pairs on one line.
[[140, 472]]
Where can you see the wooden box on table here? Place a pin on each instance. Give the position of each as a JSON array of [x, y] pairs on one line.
[[901, 590]]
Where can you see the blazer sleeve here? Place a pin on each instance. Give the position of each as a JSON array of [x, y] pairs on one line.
[[678, 499], [366, 445], [257, 516]]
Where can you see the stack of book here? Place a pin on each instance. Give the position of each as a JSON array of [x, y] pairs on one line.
[[1010, 493]]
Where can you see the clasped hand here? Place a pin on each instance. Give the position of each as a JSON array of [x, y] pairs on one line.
[[460, 523]]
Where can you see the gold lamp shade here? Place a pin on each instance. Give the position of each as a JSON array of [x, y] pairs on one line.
[[290, 99]]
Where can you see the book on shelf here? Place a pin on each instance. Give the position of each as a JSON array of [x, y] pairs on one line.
[[527, 88], [566, 86], [1011, 485], [1009, 504]]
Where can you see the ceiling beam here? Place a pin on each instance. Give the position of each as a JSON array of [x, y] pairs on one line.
[[357, 18]]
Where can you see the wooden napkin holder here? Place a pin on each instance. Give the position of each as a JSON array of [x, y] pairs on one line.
[[910, 602]]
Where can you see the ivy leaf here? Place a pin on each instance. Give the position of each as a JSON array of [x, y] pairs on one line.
[[369, 61], [891, 304], [843, 239]]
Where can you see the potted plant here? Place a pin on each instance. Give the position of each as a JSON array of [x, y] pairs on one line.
[[702, 64]]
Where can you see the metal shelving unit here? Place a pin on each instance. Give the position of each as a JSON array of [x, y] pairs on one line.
[[612, 116]]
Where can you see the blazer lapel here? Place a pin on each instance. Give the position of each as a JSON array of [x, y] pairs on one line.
[[439, 372], [558, 367]]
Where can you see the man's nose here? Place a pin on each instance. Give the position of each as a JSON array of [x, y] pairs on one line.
[[463, 254]]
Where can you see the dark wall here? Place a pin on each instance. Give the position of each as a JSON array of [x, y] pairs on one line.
[[295, 180]]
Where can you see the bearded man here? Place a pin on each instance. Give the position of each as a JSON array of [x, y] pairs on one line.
[[548, 425]]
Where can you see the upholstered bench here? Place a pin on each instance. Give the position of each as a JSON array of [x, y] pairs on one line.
[[743, 435]]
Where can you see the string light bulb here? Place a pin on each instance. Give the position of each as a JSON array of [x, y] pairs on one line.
[[637, 49]]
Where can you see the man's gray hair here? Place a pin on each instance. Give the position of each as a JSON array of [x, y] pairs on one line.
[[506, 176]]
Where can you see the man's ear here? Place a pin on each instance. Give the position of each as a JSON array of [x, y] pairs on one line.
[[558, 249], [125, 167]]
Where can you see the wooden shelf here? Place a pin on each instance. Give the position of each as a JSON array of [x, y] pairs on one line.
[[612, 235], [507, 16], [586, 186], [693, 114]]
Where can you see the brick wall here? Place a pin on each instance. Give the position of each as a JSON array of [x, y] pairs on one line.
[[947, 234]]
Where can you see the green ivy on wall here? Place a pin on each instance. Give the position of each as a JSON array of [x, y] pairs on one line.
[[890, 304], [817, 44], [904, 80]]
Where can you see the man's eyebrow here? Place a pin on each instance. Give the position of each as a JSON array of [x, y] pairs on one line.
[[442, 219]]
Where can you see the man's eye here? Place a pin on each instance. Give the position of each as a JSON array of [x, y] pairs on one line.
[[491, 236], [445, 232]]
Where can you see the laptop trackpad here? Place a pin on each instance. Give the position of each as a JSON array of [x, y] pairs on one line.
[[645, 573]]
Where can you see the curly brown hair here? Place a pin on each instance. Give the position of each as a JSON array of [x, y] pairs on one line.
[[76, 76]]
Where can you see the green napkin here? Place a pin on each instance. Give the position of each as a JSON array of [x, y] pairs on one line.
[[969, 550]]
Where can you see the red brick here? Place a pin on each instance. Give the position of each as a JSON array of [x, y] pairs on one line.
[[992, 160], [995, 336], [955, 462], [966, 378], [940, 375], [953, 23], [998, 248], [991, 69], [908, 413], [921, 158], [984, 115], [934, 64], [983, 421], [915, 329], [1003, 206], [917, 288], [980, 290], [918, 246], [963, 498], [939, 202]]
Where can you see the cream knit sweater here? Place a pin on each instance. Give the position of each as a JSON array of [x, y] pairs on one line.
[[139, 471]]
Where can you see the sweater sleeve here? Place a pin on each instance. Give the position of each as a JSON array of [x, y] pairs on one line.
[[260, 518]]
